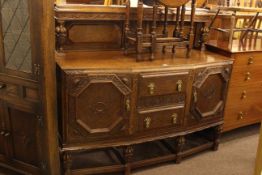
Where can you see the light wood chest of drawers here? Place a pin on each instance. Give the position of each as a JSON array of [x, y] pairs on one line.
[[244, 101]]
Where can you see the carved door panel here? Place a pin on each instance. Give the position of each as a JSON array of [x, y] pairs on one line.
[[209, 93], [22, 134], [99, 106]]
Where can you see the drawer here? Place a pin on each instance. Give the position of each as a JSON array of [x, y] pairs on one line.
[[243, 76], [244, 95], [151, 84], [242, 115], [8, 89], [248, 59], [164, 117]]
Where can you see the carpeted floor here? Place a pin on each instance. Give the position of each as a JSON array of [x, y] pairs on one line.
[[236, 156]]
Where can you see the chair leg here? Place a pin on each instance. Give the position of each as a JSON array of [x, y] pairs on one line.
[[128, 155]]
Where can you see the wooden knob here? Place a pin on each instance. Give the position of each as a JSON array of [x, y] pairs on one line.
[[250, 60]]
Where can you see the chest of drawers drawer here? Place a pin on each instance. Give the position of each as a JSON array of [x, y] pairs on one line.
[[151, 84], [246, 75], [241, 115], [248, 59], [245, 95]]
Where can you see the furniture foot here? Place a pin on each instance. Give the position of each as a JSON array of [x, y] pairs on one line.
[[217, 134], [67, 163], [128, 154], [180, 142]]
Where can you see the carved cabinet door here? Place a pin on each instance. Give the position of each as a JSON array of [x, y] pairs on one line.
[[209, 93], [98, 107]]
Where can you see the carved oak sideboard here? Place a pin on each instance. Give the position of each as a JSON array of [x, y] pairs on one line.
[[111, 103]]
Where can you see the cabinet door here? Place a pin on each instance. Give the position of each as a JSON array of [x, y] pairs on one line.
[[2, 131], [98, 107], [209, 93], [26, 46], [22, 136]]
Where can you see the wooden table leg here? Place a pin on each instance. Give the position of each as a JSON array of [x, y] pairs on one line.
[[128, 154], [217, 134], [67, 163], [180, 142]]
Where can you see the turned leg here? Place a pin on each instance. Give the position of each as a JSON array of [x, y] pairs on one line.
[[217, 134], [67, 163], [180, 142], [128, 154]]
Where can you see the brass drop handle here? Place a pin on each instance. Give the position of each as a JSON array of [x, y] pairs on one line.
[[195, 96], [244, 95], [240, 115], [128, 105], [179, 85], [250, 60], [7, 134], [147, 122], [2, 133], [248, 76], [174, 118], [151, 88], [2, 86]]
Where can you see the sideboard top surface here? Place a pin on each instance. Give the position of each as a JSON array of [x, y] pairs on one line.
[[117, 60]]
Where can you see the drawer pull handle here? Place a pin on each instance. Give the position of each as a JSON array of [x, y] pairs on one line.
[[2, 86], [195, 96], [248, 76], [128, 105], [151, 87], [240, 115], [250, 60], [147, 122], [244, 95], [174, 118], [179, 85], [7, 134], [2, 133]]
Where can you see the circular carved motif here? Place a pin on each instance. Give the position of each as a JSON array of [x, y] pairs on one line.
[[99, 107]]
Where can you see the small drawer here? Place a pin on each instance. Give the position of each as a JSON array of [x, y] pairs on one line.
[[151, 84], [241, 75], [165, 117], [248, 59], [241, 115], [244, 95]]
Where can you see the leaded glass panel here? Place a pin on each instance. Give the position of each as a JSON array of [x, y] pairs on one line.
[[16, 35]]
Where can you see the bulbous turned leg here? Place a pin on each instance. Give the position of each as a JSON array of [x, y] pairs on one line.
[[128, 155], [67, 163], [180, 142], [217, 135]]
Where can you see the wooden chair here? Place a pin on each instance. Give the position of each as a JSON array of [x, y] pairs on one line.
[[151, 41]]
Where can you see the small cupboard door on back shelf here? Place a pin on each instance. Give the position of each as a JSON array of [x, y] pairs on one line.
[[98, 107], [209, 94]]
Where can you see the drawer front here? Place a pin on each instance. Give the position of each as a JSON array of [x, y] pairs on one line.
[[245, 95], [151, 84], [161, 118], [248, 59], [243, 76], [242, 115]]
